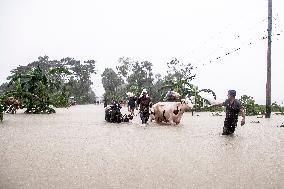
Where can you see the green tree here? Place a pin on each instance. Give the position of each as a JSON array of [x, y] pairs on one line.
[[77, 84], [178, 78], [276, 107], [249, 103], [158, 94], [124, 67], [178, 71], [112, 84], [80, 82], [43, 62], [35, 89], [4, 87], [141, 77], [136, 75]]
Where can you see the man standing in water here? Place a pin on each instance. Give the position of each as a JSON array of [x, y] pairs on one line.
[[131, 104], [233, 108], [144, 103]]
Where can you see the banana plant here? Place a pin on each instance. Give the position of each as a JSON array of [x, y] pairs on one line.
[[35, 88], [176, 85], [199, 101], [184, 88]]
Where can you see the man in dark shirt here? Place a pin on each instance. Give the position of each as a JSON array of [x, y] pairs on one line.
[[233, 108], [144, 102]]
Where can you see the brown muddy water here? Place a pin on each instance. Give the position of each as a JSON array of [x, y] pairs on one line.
[[76, 148]]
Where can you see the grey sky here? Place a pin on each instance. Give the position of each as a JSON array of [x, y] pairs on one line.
[[153, 30]]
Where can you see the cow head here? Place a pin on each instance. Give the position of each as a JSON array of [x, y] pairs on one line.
[[183, 106], [186, 104]]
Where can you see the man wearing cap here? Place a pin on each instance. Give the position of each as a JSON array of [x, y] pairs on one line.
[[144, 102], [233, 108]]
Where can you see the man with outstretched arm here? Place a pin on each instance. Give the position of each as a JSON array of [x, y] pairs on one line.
[[233, 109]]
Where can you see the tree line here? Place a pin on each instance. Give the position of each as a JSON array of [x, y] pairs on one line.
[[44, 84], [134, 76]]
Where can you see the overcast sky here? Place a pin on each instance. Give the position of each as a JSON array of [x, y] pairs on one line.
[[198, 32]]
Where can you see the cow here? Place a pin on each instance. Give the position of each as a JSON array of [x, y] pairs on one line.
[[11, 105], [170, 112]]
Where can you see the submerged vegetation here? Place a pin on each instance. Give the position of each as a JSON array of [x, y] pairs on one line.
[[35, 89], [44, 84]]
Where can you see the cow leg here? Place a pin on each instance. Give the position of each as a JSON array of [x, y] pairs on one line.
[[152, 116], [158, 120], [171, 120]]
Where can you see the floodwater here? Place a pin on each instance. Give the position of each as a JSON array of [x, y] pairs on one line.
[[76, 148]]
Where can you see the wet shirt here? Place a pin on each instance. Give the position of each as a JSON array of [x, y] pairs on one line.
[[232, 110], [144, 103]]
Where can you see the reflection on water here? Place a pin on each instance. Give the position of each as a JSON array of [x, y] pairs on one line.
[[76, 148]]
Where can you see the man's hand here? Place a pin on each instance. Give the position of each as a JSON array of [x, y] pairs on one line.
[[243, 122]]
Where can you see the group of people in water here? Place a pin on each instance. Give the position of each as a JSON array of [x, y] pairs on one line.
[[113, 114], [143, 102]]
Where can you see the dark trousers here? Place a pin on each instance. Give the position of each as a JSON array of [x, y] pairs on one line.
[[229, 127], [144, 116]]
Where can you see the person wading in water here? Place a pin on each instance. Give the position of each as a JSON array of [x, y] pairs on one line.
[[131, 103], [233, 108], [144, 103]]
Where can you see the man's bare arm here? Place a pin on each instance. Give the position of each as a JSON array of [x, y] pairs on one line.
[[219, 104]]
